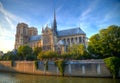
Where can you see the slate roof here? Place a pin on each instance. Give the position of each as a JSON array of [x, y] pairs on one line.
[[70, 32], [35, 38], [62, 33]]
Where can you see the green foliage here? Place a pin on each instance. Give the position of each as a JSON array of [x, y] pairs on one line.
[[36, 64], [31, 57], [37, 50], [66, 56], [106, 43], [9, 56], [0, 58], [47, 55], [86, 55], [77, 49], [78, 52], [61, 64], [113, 64], [46, 65], [24, 52], [41, 56]]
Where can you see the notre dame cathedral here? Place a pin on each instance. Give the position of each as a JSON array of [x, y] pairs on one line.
[[50, 39]]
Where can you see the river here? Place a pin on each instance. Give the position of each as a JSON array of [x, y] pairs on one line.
[[25, 78]]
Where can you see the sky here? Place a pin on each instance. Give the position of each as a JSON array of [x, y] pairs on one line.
[[89, 15]]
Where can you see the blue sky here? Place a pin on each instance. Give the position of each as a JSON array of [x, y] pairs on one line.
[[90, 15]]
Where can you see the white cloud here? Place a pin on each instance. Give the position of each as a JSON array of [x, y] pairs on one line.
[[114, 12], [6, 39], [59, 8], [86, 14], [109, 16], [7, 29]]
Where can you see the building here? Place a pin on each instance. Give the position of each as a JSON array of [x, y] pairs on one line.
[[50, 39]]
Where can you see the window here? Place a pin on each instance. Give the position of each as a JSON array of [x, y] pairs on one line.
[[76, 39], [68, 41], [71, 40], [80, 40], [64, 41]]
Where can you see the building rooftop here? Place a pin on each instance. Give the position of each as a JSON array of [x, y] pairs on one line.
[[35, 38], [62, 33], [70, 32]]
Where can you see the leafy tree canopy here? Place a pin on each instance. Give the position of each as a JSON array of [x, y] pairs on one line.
[[37, 50], [113, 64], [24, 52], [78, 52], [77, 49], [106, 43], [47, 55], [9, 56]]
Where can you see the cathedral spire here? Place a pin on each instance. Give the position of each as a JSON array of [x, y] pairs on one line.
[[54, 27], [54, 15]]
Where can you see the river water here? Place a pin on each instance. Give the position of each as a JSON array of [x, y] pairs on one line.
[[25, 78]]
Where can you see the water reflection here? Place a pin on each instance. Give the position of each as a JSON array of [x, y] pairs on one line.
[[23, 78]]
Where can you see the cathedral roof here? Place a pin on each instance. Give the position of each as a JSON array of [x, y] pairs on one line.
[[70, 32], [35, 38]]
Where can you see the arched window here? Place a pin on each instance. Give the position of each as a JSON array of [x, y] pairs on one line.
[[64, 41], [71, 40], [76, 39], [80, 40], [83, 39], [68, 41]]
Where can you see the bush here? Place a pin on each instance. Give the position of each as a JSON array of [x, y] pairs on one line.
[[30, 57], [61, 64], [0, 58], [47, 55], [113, 64], [41, 56], [9, 56], [66, 55]]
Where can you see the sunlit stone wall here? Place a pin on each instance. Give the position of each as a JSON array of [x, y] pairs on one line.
[[83, 68]]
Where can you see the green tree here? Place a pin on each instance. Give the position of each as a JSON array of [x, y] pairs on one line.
[[66, 56], [78, 52], [106, 43], [31, 57], [9, 56], [77, 49], [24, 52], [47, 55], [94, 45], [0, 57], [113, 64], [41, 55], [61, 64], [37, 50]]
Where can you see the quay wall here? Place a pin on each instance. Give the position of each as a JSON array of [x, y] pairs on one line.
[[82, 68]]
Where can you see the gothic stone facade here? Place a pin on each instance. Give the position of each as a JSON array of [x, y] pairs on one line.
[[50, 39]]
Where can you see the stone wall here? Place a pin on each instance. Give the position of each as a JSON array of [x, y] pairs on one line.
[[83, 68]]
